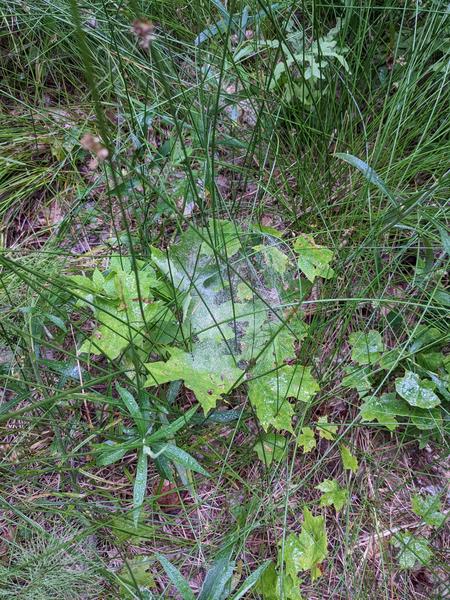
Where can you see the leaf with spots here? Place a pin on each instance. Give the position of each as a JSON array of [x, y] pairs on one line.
[[308, 549], [205, 371], [413, 550], [417, 392], [269, 394]]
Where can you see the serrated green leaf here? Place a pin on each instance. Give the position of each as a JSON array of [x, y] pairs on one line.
[[306, 439], [384, 410], [429, 508], [202, 372], [349, 461], [308, 549], [413, 550], [366, 347], [333, 494], [269, 393], [314, 260], [416, 391], [326, 430], [267, 585], [270, 447]]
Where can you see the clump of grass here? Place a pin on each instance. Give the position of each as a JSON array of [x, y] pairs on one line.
[[56, 562]]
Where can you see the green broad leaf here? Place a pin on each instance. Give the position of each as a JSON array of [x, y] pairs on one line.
[[416, 391], [357, 378], [207, 374], [349, 461], [244, 292], [140, 485], [333, 494], [366, 347], [306, 439], [425, 336], [426, 419], [98, 279], [288, 587], [327, 431], [176, 578], [133, 408], [314, 260], [135, 575], [274, 258], [384, 410], [177, 455], [413, 550], [432, 361], [308, 549], [269, 394], [429, 509], [119, 327], [270, 447]]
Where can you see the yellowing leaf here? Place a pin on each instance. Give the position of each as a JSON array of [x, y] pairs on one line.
[[348, 460], [327, 431], [306, 439], [314, 260]]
